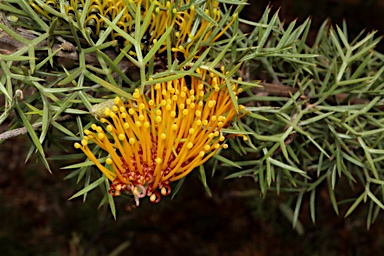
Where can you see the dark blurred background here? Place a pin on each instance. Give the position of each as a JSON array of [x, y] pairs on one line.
[[360, 15], [36, 217]]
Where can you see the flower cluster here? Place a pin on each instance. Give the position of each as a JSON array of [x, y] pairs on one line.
[[163, 134], [188, 26]]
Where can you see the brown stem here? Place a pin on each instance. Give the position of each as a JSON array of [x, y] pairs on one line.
[[20, 131], [286, 91]]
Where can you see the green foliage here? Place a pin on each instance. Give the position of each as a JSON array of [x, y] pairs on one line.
[[326, 129], [315, 123]]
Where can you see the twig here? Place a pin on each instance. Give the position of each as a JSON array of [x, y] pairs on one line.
[[286, 91], [20, 131]]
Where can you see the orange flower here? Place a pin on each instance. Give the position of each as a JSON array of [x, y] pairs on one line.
[[162, 136], [188, 26]]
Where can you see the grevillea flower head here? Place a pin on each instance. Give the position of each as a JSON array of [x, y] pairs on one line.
[[163, 134], [188, 26]]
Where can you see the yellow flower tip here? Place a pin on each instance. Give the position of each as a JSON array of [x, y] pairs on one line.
[[87, 132], [158, 119], [216, 133], [131, 111], [132, 141], [201, 154], [107, 112], [117, 100], [177, 34], [138, 124], [103, 120], [121, 137], [240, 79], [222, 138], [108, 161], [185, 112], [151, 103], [100, 136], [146, 124], [109, 128], [126, 126], [163, 136], [189, 145], [77, 145], [220, 124], [154, 41], [115, 108], [84, 142], [136, 94], [99, 129], [225, 146], [234, 16], [207, 147], [158, 160], [192, 8], [241, 107], [94, 126], [112, 114], [174, 127], [245, 138], [157, 10], [174, 10], [222, 68]]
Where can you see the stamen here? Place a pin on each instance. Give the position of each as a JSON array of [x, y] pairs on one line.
[[151, 144]]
